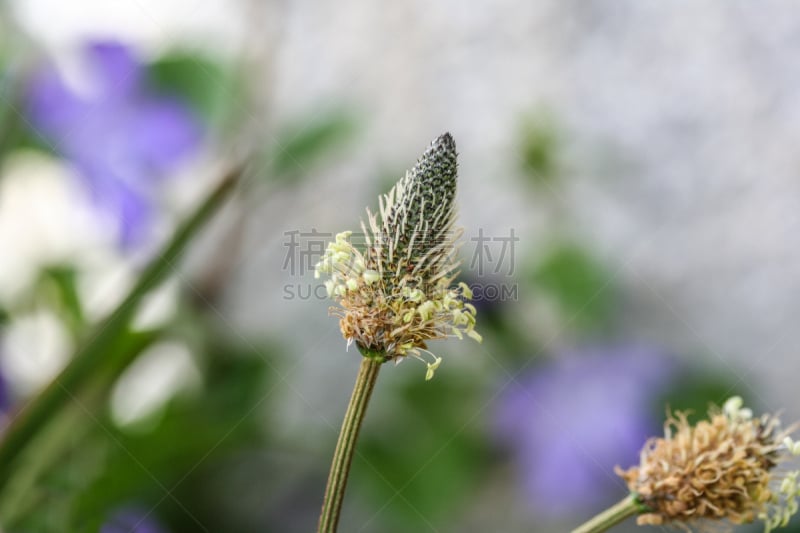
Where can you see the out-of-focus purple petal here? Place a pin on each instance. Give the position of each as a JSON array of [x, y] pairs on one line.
[[132, 521], [119, 136], [52, 107], [570, 422], [162, 133], [117, 74], [135, 215], [114, 190]]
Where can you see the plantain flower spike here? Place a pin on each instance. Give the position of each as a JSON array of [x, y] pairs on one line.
[[398, 292], [729, 469]]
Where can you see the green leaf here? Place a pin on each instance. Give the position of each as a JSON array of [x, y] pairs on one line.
[[307, 140], [579, 285], [207, 86], [63, 278]]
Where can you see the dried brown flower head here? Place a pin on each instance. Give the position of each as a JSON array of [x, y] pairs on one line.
[[398, 292], [727, 468]]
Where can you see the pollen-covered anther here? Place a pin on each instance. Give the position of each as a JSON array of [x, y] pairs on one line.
[[731, 468], [397, 293]]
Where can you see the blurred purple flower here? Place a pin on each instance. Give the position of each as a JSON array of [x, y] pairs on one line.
[[121, 137], [571, 421], [131, 521]]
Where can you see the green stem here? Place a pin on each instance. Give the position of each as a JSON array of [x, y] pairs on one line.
[[346, 445], [97, 353], [612, 516]]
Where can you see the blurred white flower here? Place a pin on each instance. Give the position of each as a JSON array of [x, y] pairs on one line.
[[35, 347], [150, 23], [153, 379], [42, 221]]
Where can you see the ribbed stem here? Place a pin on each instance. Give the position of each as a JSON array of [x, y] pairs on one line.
[[612, 516], [346, 445]]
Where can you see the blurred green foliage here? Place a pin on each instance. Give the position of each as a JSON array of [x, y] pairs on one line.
[[212, 89], [540, 148], [60, 283], [579, 284], [181, 452], [6, 98], [15, 129], [305, 141], [31, 479], [694, 391], [33, 441], [168, 466], [432, 450]]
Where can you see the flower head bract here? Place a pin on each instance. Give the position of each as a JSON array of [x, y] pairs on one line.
[[731, 468], [398, 292]]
